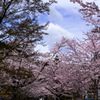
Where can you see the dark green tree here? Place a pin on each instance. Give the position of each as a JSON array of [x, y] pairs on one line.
[[20, 31], [19, 27]]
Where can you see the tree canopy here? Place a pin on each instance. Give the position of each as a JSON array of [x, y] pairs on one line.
[[19, 27], [19, 33], [67, 71]]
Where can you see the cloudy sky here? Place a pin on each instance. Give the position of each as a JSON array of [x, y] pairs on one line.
[[64, 20]]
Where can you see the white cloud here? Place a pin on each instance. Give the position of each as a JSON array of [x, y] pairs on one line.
[[66, 3], [66, 8], [64, 13], [55, 35], [42, 49], [56, 32], [55, 15]]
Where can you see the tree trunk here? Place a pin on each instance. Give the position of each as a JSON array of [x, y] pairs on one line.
[[14, 97], [96, 95]]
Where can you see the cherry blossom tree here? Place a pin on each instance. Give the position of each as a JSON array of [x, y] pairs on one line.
[[75, 67], [78, 69], [78, 63], [18, 75], [91, 13], [57, 78]]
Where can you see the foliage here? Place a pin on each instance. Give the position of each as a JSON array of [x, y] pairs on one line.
[[91, 14], [20, 31], [78, 69], [71, 67], [19, 27]]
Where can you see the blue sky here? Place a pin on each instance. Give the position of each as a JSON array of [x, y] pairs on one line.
[[64, 20]]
